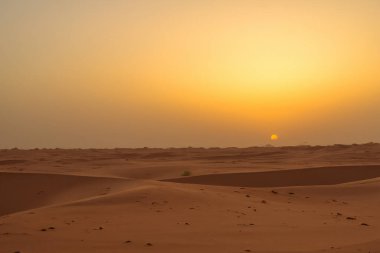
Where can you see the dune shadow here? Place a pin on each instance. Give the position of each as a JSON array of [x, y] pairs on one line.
[[24, 191], [283, 178]]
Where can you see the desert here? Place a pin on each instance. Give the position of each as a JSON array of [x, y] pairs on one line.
[[198, 126], [259, 199]]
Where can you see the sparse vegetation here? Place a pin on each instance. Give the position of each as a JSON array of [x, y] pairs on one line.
[[186, 173]]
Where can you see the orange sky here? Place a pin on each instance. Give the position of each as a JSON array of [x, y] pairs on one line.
[[188, 73]]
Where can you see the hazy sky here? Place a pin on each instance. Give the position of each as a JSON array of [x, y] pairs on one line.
[[119, 73]]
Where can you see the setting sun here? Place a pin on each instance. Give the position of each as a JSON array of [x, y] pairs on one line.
[[274, 137]]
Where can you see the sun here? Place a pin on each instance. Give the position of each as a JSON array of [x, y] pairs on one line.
[[274, 137]]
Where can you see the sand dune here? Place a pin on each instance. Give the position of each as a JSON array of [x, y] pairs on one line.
[[23, 191], [259, 200], [283, 178]]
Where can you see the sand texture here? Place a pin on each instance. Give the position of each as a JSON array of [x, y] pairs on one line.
[[259, 199]]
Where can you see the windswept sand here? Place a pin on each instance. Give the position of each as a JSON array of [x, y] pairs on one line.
[[289, 199]]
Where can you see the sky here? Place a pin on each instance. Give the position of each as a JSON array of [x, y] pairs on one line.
[[167, 73]]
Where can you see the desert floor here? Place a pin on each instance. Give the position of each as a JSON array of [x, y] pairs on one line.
[[260, 199]]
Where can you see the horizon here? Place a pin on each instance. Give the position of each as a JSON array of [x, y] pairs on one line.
[[269, 145]]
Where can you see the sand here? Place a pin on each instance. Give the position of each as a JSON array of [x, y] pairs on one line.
[[286, 199]]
